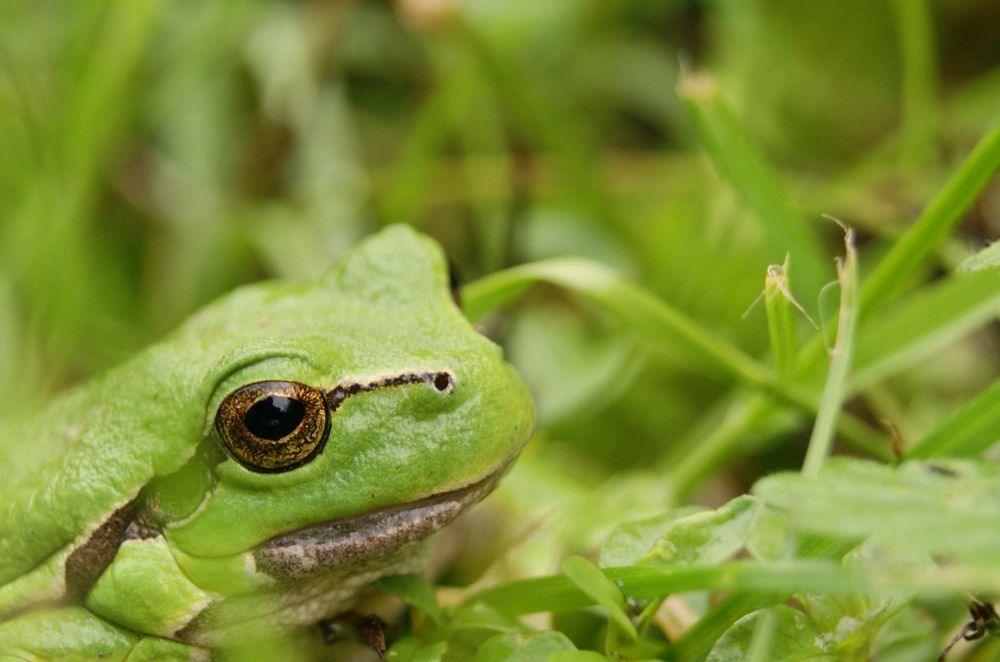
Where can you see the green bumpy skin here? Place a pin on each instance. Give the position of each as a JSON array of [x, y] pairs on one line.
[[127, 526]]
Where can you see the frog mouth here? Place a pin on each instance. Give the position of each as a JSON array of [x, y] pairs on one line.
[[353, 541]]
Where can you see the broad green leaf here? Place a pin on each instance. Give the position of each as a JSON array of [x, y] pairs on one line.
[[415, 650], [904, 638], [948, 507], [697, 641], [601, 590], [768, 538], [855, 620], [844, 626], [847, 620], [630, 540], [988, 258], [479, 616], [706, 537], [523, 648], [795, 640], [415, 590], [577, 656]]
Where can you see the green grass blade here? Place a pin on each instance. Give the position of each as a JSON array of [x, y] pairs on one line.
[[891, 273], [52, 217], [734, 425], [763, 637], [970, 430], [923, 323], [780, 326], [835, 389], [110, 68], [988, 258], [917, 56], [734, 421], [740, 163], [638, 309], [911, 331]]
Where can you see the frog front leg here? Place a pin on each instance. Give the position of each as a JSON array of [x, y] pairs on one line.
[[76, 633], [145, 590], [133, 595], [368, 629]]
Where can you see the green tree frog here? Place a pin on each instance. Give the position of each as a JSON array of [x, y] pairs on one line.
[[258, 469]]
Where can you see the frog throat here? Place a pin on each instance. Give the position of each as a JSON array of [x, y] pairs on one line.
[[350, 541]]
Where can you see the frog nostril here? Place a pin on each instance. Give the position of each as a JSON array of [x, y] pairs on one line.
[[443, 382]]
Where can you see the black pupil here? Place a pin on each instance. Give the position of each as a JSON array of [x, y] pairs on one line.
[[274, 417]]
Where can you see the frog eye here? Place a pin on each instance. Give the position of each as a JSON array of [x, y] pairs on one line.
[[270, 427]]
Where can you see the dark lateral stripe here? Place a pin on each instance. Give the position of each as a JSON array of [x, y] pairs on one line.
[[441, 380], [86, 563]]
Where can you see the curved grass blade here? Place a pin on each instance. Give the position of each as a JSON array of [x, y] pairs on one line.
[[923, 323], [970, 430], [891, 273], [638, 309]]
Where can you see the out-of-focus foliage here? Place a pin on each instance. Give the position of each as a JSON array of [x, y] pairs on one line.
[[156, 154]]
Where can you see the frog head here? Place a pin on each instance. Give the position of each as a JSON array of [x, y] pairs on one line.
[[344, 418]]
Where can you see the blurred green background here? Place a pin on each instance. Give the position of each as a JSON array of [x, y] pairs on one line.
[[154, 154]]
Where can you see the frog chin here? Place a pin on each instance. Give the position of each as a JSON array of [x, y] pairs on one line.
[[359, 540]]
